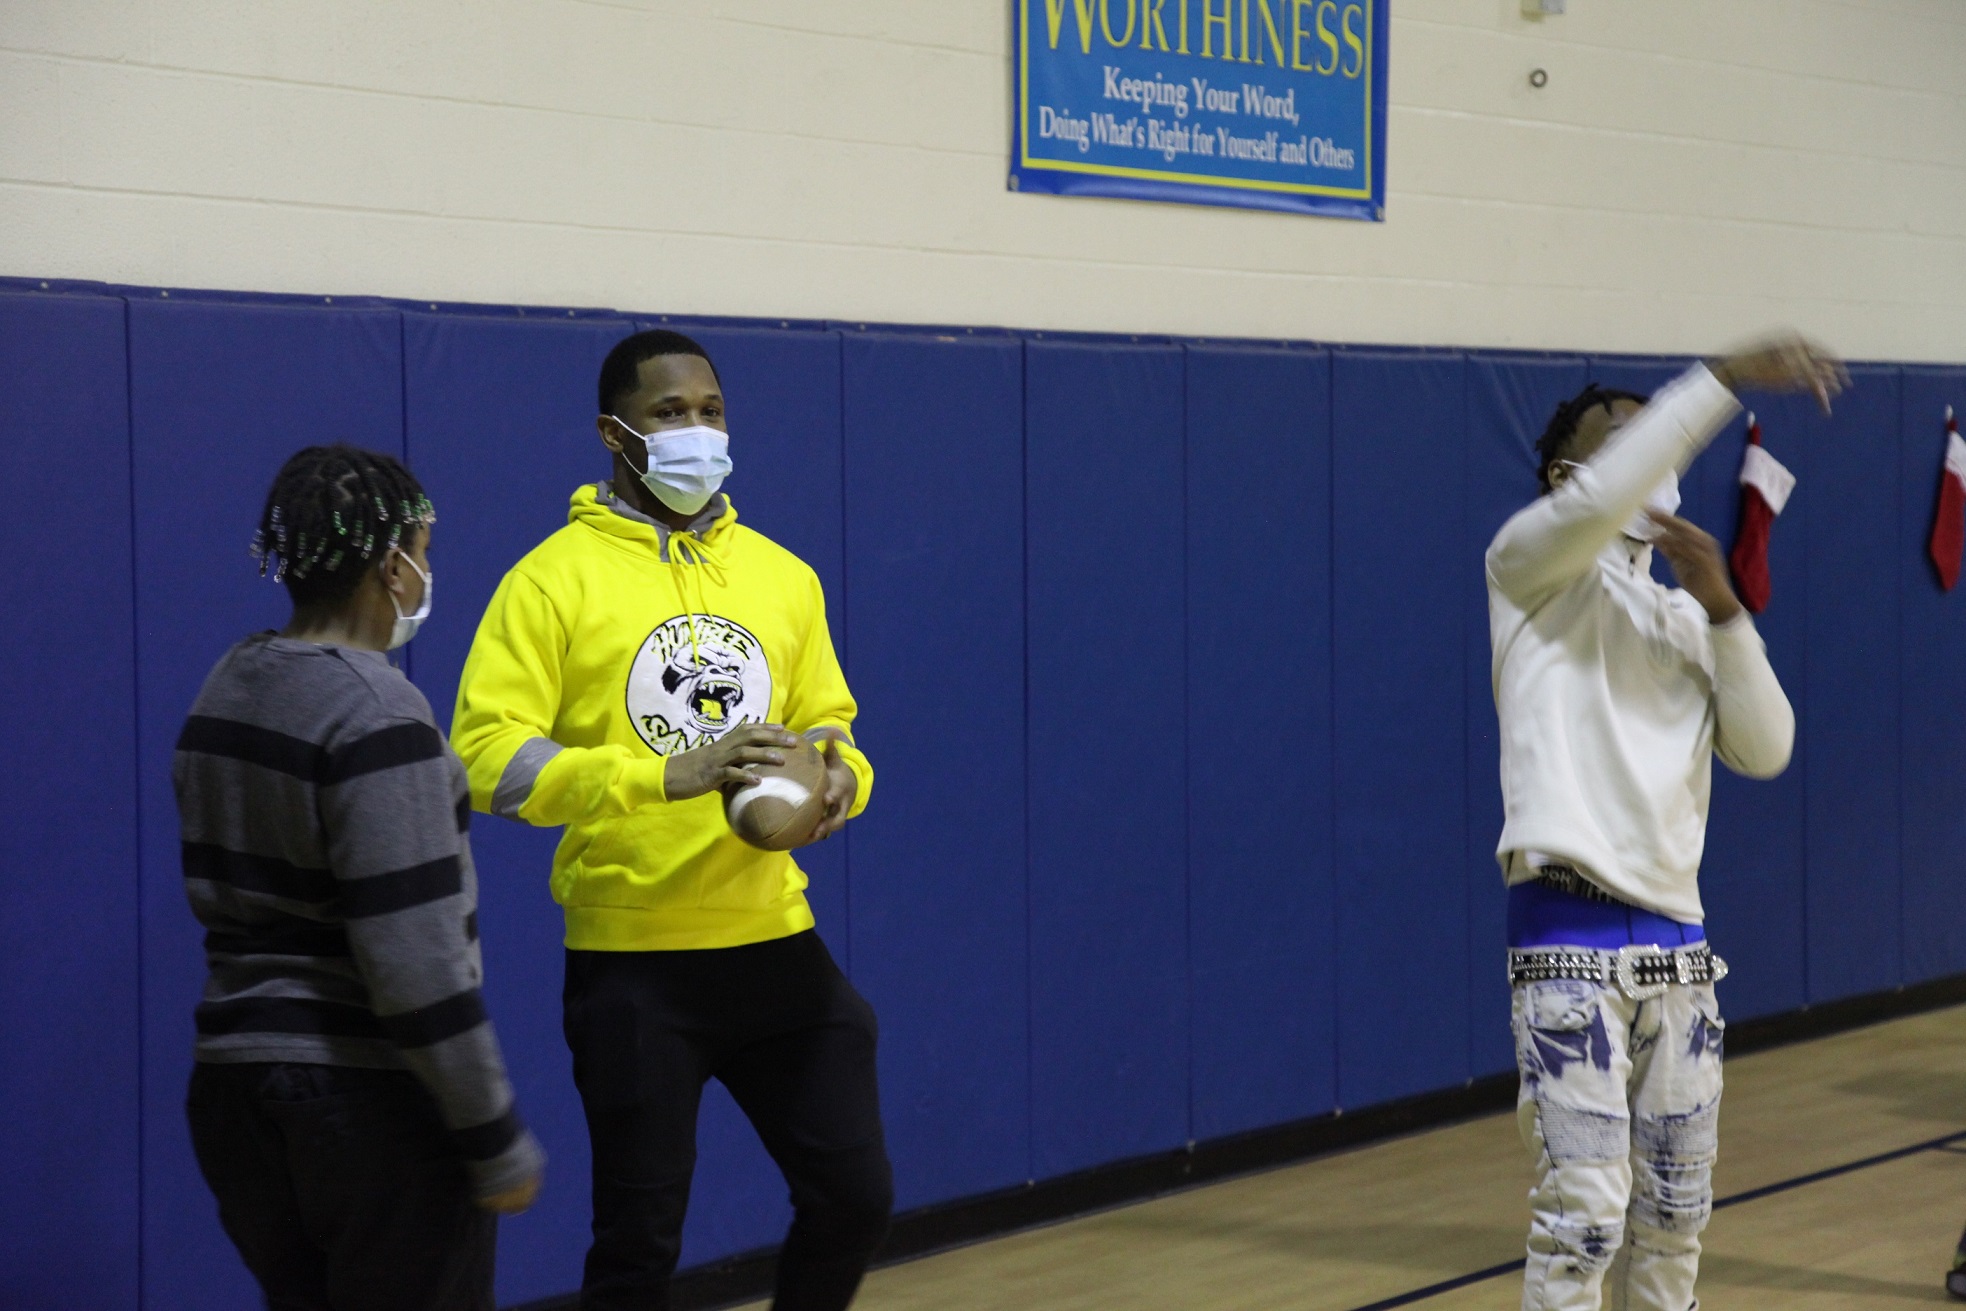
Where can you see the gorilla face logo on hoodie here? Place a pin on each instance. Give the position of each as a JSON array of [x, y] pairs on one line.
[[694, 679]]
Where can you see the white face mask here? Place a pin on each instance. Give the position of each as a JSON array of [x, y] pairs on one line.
[[686, 466], [406, 625], [1665, 499]]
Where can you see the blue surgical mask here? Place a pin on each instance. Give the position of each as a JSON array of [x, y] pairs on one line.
[[406, 625], [686, 466]]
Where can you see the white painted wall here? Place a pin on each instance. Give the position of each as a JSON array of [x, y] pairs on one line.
[[1694, 169]]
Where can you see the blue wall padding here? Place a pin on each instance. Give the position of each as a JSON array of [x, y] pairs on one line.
[[1400, 690], [783, 389], [68, 885], [1259, 736], [1755, 871], [220, 396], [1753, 874], [1855, 943], [1104, 546], [783, 392], [1510, 400], [935, 603], [1932, 750], [499, 414], [1172, 660]]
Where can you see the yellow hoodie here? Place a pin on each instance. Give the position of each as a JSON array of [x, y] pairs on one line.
[[614, 643]]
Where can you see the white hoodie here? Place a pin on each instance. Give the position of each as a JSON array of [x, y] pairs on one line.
[[1614, 692]]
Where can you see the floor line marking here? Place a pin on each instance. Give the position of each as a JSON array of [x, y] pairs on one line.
[[1445, 1286], [1881, 1158], [1751, 1195]]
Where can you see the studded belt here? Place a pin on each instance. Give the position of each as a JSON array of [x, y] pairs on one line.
[[1640, 972]]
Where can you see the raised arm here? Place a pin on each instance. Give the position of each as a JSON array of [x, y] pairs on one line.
[[1556, 539]]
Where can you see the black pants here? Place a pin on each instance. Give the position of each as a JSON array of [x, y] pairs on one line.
[[341, 1189], [787, 1034]]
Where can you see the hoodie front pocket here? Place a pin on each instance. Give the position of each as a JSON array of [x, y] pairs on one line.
[[758, 883]]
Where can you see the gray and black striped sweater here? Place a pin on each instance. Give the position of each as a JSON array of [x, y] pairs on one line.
[[325, 852]]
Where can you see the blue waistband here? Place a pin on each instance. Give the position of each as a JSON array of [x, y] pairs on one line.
[[1543, 916]]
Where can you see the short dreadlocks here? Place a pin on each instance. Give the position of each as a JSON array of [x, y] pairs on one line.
[[333, 512], [1554, 445]]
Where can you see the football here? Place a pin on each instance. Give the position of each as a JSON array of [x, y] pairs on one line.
[[780, 810]]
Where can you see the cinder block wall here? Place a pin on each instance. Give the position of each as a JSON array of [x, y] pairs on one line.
[[1691, 171]]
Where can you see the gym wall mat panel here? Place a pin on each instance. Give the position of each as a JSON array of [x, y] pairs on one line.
[[220, 396], [934, 522], [782, 402], [1510, 399], [1932, 665], [1104, 481], [1259, 737], [68, 899], [499, 416], [1855, 942], [782, 399], [1751, 874], [1400, 729]]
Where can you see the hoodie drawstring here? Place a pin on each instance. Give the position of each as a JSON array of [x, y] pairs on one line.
[[703, 559]]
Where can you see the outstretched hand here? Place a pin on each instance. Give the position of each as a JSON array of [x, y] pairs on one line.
[[1697, 564], [1785, 362]]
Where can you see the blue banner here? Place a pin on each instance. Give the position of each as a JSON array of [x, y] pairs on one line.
[[1262, 104]]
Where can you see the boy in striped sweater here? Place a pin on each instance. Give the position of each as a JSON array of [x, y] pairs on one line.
[[349, 1106]]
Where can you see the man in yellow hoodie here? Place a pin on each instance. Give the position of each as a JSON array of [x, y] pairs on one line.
[[636, 661]]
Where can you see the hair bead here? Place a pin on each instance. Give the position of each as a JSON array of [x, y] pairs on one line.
[[324, 514]]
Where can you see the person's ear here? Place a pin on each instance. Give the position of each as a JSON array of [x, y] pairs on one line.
[[610, 430], [1556, 474], [389, 572]]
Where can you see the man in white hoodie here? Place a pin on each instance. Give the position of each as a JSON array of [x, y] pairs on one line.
[[1614, 693]]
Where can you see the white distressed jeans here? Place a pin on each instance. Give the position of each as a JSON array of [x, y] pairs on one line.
[[1620, 1107]]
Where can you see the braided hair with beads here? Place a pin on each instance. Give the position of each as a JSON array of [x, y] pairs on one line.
[[333, 513]]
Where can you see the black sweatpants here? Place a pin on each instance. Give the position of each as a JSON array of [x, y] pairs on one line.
[[340, 1188], [786, 1033]]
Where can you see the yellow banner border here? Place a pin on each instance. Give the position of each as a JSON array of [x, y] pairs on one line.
[[1025, 159]]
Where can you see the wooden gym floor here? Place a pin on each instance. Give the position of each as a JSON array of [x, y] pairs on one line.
[[1386, 1225]]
